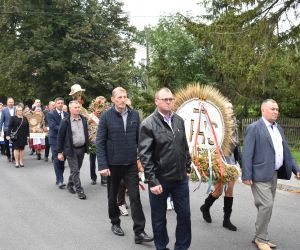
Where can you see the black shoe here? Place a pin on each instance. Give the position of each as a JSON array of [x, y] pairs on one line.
[[227, 224], [45, 158], [81, 195], [205, 213], [117, 230], [61, 185], [142, 237], [94, 182], [21, 166], [17, 166], [31, 152], [71, 189], [39, 156], [9, 159]]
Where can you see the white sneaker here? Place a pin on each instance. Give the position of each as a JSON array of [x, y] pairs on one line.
[[123, 210], [169, 204]]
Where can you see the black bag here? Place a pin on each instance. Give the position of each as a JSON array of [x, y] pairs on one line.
[[13, 135]]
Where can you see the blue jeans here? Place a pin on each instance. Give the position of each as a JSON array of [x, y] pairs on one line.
[[59, 167], [179, 191]]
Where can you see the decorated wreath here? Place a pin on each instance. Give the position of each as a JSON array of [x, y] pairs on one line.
[[209, 128], [97, 106]]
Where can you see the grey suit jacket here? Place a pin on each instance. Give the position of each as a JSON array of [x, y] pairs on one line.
[[258, 156]]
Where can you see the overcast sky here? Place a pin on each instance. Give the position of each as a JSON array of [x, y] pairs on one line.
[[147, 12]]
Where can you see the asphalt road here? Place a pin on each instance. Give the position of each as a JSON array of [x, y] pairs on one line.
[[35, 214]]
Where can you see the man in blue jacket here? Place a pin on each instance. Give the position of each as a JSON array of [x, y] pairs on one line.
[[54, 118], [266, 157], [7, 112], [116, 148]]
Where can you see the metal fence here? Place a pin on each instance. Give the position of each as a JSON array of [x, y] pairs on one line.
[[291, 127]]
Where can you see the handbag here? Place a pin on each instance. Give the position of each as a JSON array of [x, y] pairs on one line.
[[13, 134]]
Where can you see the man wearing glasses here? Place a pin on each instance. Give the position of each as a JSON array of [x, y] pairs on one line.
[[164, 154]]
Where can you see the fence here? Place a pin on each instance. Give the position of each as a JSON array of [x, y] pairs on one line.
[[291, 127]]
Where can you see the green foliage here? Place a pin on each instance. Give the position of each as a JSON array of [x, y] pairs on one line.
[[143, 100], [249, 59], [296, 155], [47, 46], [175, 57]]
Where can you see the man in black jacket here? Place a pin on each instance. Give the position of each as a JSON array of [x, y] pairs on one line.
[[116, 148], [164, 154], [72, 141]]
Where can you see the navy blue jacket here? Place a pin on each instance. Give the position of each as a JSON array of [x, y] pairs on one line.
[[65, 137], [114, 145], [5, 117], [53, 120]]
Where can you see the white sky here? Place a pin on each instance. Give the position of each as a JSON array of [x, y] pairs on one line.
[[147, 12]]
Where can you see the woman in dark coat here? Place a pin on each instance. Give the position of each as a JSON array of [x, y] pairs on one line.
[[19, 123]]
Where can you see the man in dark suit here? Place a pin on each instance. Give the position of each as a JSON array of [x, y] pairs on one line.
[[53, 119], [72, 141], [7, 112], [265, 158], [116, 148]]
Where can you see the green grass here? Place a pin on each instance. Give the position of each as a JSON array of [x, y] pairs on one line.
[[296, 155]]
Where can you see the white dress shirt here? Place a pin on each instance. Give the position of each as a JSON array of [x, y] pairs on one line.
[[277, 143], [61, 113], [11, 111]]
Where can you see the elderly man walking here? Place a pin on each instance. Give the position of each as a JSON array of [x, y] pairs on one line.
[[72, 141], [116, 147], [266, 157]]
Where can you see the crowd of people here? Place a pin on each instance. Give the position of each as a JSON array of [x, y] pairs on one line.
[[125, 147]]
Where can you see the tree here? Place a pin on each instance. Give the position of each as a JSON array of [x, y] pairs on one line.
[[175, 57], [48, 45], [250, 57]]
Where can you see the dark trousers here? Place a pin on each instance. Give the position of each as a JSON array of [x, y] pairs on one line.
[[130, 175], [75, 163], [47, 145], [93, 167], [59, 166], [179, 191], [3, 149], [8, 154], [121, 193]]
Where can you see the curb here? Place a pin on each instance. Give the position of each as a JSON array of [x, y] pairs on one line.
[[287, 187]]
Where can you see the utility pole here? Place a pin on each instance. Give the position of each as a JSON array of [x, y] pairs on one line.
[[147, 57]]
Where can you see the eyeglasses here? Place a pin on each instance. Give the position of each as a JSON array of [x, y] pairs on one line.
[[167, 99]]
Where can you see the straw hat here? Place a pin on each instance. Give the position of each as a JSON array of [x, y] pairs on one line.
[[76, 88]]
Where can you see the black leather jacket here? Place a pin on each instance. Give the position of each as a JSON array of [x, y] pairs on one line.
[[163, 152]]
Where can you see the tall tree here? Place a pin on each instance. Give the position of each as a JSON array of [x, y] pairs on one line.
[[48, 45], [175, 56], [252, 55]]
